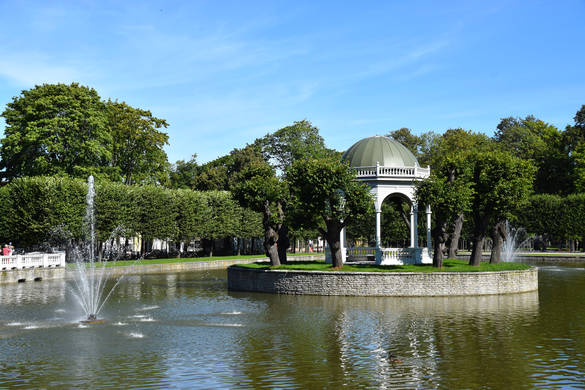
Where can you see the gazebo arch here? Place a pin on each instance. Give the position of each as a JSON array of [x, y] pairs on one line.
[[388, 168]]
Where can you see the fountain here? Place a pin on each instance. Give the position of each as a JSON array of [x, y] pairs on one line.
[[512, 243], [91, 275]]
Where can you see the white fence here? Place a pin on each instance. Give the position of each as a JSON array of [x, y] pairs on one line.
[[390, 256], [32, 260], [392, 172]]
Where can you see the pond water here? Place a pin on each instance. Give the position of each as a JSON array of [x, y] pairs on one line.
[[187, 331]]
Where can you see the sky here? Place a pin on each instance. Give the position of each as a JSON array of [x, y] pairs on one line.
[[224, 73]]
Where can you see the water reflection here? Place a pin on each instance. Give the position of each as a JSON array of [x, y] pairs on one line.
[[185, 330], [373, 341]]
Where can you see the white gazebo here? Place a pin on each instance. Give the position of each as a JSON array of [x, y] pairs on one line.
[[389, 169]]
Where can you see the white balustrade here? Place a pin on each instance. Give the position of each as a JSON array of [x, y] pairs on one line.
[[394, 256], [400, 172], [36, 260], [365, 251]]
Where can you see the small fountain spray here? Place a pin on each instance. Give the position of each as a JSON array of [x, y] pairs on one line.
[[512, 244], [91, 275]]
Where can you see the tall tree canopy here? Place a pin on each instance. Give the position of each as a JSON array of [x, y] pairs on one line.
[[574, 141], [542, 143], [419, 145], [55, 129], [286, 145], [60, 129], [137, 148]]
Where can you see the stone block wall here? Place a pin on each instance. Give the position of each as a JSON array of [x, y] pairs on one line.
[[382, 284]]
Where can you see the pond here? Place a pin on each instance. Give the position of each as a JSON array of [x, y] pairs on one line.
[[187, 331]]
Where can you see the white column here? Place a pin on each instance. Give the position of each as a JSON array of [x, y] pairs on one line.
[[343, 245], [415, 207], [429, 244], [378, 229], [412, 224]]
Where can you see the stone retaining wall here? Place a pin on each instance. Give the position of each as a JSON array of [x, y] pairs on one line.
[[30, 274], [382, 283]]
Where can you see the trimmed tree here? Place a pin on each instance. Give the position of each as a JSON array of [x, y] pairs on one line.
[[448, 200], [260, 190], [501, 184], [326, 196]]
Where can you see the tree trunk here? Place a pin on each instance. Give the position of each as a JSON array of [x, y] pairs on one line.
[[439, 236], [211, 245], [270, 239], [475, 258], [333, 234], [270, 236], [283, 243], [498, 237], [239, 246], [454, 241]]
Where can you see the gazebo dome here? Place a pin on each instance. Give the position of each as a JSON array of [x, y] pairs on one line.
[[380, 150]]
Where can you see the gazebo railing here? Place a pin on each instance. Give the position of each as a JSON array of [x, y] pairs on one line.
[[33, 260], [391, 255], [400, 172]]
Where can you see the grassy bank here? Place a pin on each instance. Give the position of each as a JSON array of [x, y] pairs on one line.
[[449, 265], [125, 263]]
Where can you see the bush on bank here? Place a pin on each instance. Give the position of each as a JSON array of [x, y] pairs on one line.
[[51, 210]]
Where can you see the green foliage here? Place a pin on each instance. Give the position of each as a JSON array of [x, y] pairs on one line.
[[326, 196], [223, 215], [59, 129], [193, 214], [537, 141], [55, 129], [183, 173], [260, 190], [501, 184], [325, 190], [447, 198], [574, 143], [115, 209], [35, 207], [554, 216], [419, 145], [137, 149], [292, 143]]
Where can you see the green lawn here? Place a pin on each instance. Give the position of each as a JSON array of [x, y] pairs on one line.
[[449, 265], [125, 263]]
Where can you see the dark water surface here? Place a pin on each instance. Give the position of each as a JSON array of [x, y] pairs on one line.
[[187, 331]]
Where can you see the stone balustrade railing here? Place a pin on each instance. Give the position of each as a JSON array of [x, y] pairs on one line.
[[389, 256], [32, 260], [400, 172], [361, 251]]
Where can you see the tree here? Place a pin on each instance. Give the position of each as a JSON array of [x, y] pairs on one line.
[[326, 196], [448, 157], [223, 220], [449, 198], [137, 149], [501, 183], [55, 129], [291, 143], [420, 146], [574, 141], [261, 190], [183, 173], [542, 143]]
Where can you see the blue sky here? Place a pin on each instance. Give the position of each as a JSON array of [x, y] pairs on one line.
[[224, 73]]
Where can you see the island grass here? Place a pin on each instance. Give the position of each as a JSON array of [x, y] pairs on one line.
[[449, 265], [126, 263]]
